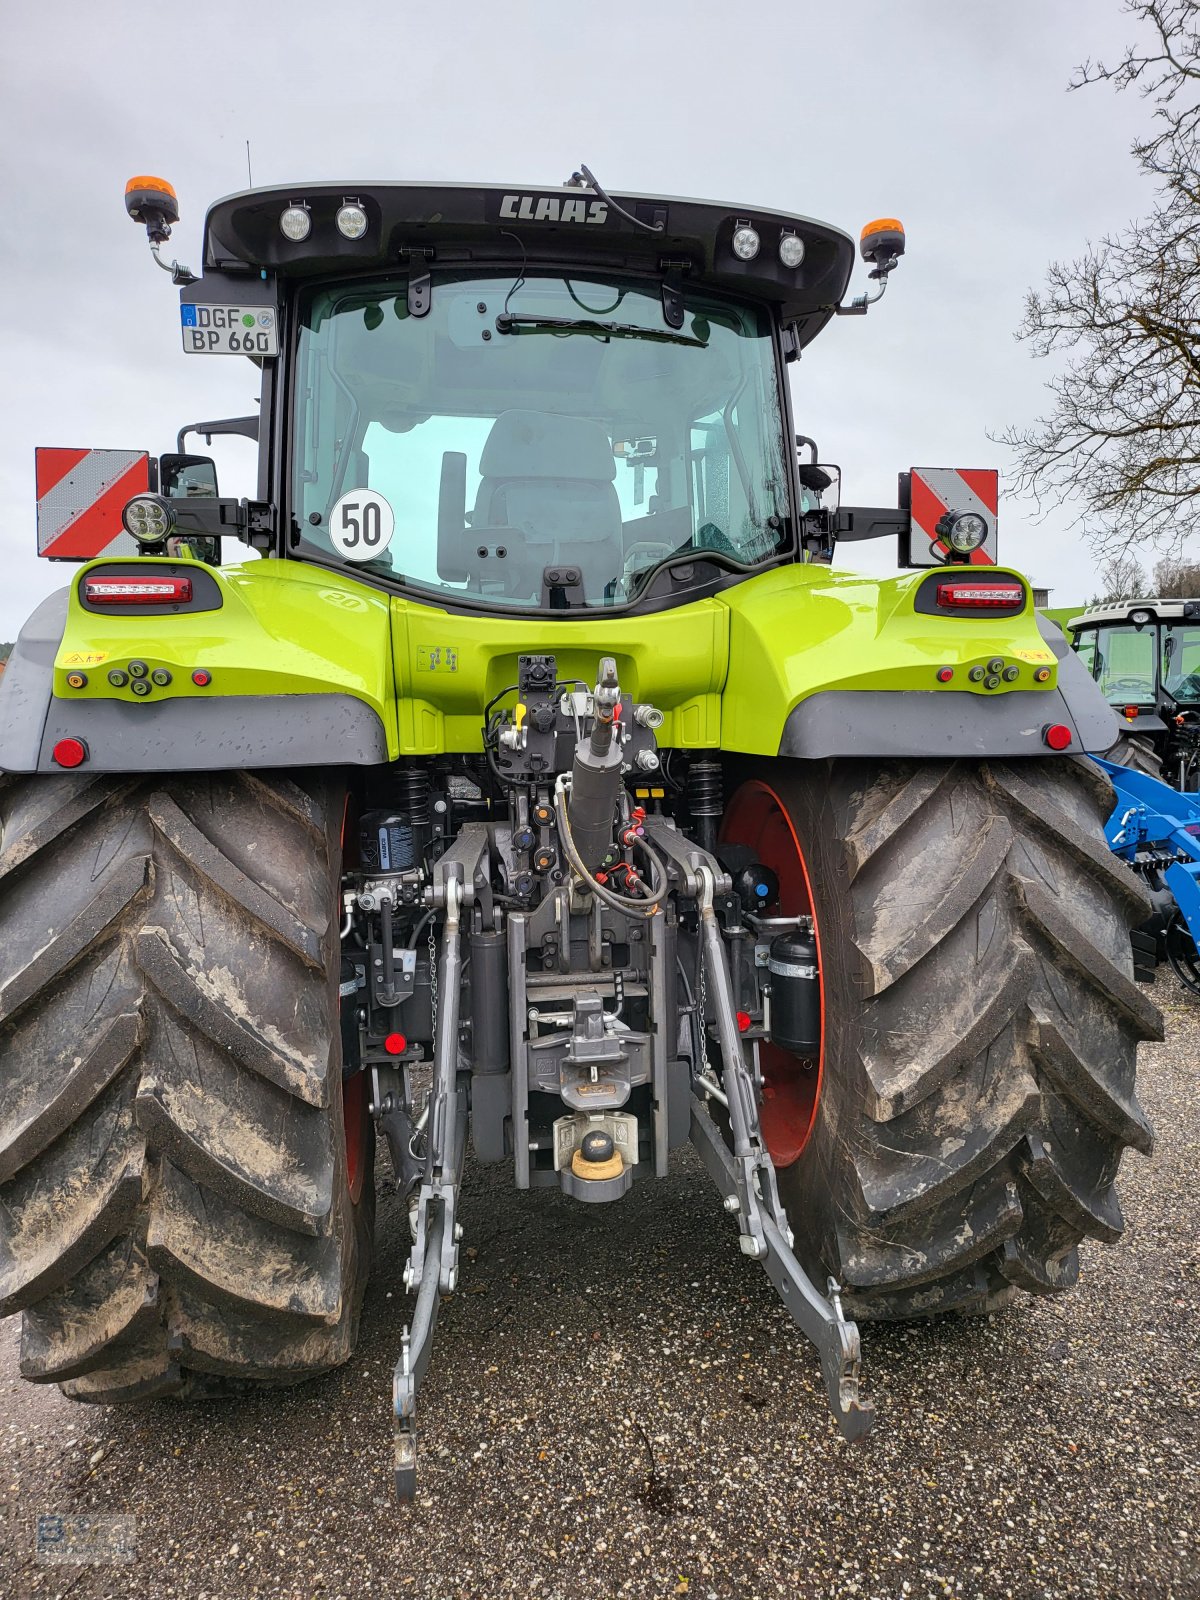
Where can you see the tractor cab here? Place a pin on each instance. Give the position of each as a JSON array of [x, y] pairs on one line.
[[545, 400], [1145, 657]]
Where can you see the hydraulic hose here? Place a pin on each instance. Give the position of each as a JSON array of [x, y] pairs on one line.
[[643, 908]]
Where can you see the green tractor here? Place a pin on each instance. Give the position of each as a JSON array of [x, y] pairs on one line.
[[541, 783], [1145, 658]]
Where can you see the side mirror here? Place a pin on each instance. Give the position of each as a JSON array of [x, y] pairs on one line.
[[182, 477]]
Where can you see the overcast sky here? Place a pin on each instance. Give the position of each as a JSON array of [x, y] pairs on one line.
[[952, 115]]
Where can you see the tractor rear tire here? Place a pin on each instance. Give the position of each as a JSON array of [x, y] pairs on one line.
[[1137, 752], [184, 1208], [980, 1025]]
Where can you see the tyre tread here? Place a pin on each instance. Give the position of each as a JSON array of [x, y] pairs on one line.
[[995, 1036], [174, 1217]]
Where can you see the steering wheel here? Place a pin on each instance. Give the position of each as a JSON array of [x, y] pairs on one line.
[[1131, 684]]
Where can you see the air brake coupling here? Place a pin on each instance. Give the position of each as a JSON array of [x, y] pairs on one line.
[[596, 773]]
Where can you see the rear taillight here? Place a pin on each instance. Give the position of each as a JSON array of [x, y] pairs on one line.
[[980, 596], [126, 591]]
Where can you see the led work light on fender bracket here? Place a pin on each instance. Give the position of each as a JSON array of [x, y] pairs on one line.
[[152, 519]]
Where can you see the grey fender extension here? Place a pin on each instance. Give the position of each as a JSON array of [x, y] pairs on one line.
[[233, 732], [27, 686], [228, 732], [947, 723]]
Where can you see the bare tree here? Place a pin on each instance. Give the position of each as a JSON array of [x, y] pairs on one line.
[[1122, 437], [1121, 578], [1177, 580]]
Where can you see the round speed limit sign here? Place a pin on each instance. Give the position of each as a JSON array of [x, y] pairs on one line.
[[361, 525]]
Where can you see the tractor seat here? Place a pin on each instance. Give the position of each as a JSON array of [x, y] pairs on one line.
[[548, 485]]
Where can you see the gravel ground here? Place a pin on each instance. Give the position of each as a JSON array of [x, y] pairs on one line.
[[618, 1406]]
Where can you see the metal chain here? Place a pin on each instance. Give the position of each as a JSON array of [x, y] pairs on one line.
[[702, 1002], [433, 983]]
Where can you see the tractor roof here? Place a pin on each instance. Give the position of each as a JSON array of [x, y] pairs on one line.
[[1155, 608], [458, 225]]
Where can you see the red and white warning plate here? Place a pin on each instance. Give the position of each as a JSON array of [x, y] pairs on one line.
[[80, 497], [934, 491]]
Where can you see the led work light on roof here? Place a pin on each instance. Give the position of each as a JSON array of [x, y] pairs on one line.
[[148, 518], [295, 223], [791, 249], [746, 242], [352, 220]]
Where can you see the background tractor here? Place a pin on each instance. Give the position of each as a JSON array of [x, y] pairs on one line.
[[1145, 657], [542, 784]]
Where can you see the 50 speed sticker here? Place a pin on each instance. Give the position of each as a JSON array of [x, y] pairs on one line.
[[361, 525]]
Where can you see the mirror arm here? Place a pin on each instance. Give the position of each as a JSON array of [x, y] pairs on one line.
[[251, 521], [247, 427]]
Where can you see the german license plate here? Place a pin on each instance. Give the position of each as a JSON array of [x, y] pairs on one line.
[[230, 330]]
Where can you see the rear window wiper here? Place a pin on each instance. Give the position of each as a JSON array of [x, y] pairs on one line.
[[509, 322]]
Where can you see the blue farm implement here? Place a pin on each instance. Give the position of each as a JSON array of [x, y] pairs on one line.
[[1156, 829]]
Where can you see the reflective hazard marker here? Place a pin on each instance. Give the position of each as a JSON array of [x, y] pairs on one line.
[[80, 497], [935, 492]]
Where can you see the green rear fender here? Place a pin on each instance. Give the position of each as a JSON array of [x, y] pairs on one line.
[[310, 666], [282, 628], [294, 665], [803, 631]]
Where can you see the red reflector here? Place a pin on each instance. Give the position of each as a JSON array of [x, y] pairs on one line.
[[944, 674], [1056, 735], [70, 752], [201, 678], [743, 1021], [979, 596], [395, 1044], [137, 591]]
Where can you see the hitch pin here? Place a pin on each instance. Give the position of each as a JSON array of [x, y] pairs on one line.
[[834, 1291]]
